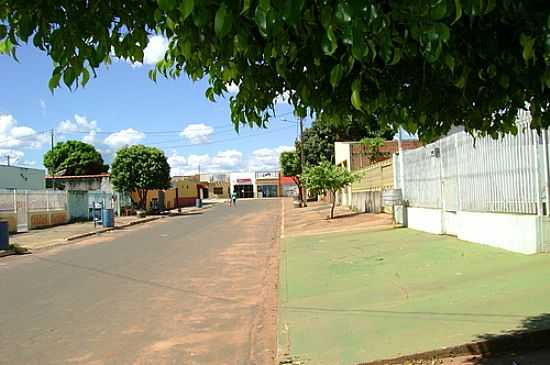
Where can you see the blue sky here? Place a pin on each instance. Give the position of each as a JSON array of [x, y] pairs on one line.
[[123, 106]]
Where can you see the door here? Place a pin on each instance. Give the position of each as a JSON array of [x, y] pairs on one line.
[[244, 191], [21, 209]]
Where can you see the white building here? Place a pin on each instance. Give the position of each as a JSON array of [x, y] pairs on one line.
[[244, 183]]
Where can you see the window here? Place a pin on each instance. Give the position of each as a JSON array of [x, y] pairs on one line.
[[218, 190]]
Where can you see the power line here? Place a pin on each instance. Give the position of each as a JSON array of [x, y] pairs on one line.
[[230, 139]]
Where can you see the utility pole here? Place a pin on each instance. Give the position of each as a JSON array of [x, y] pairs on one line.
[[302, 159], [8, 159], [51, 149]]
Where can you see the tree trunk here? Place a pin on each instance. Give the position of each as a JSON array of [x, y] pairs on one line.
[[333, 201], [143, 199]]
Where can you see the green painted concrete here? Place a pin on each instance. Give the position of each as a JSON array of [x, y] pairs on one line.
[[349, 298]]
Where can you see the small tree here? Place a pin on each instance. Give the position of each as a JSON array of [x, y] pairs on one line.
[[327, 177], [74, 158], [373, 146], [140, 168], [291, 166]]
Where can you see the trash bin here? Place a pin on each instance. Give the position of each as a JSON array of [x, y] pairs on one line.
[[4, 235], [198, 203], [108, 218]]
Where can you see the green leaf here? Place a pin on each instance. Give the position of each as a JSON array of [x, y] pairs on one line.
[[166, 4], [450, 62], [336, 75], [85, 76], [396, 56], [5, 46], [186, 8], [222, 21], [330, 44], [293, 10], [3, 31], [246, 6], [54, 82], [458, 11], [528, 44], [260, 17], [343, 12], [356, 95], [438, 9], [69, 76]]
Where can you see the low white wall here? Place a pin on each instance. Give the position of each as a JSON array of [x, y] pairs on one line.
[[424, 219], [513, 232]]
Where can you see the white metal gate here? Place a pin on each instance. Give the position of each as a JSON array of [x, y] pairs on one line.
[[21, 209]]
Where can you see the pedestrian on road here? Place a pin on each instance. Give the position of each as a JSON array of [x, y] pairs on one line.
[[229, 198], [234, 198]]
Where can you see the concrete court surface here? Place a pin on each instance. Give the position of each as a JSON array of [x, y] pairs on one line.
[[348, 298], [197, 289]]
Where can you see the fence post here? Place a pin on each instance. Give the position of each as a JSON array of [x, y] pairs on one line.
[[537, 175], [47, 201], [546, 170], [15, 201]]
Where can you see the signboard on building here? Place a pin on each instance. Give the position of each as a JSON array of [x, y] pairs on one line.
[[244, 181], [267, 174]]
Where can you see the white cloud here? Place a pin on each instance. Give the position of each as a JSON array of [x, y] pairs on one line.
[[123, 138], [80, 124], [15, 156], [229, 159], [197, 133], [267, 158], [154, 51], [43, 106], [13, 136], [196, 160], [90, 137], [232, 88]]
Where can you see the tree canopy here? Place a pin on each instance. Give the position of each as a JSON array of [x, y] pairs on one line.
[[423, 64], [291, 165], [320, 137], [74, 158], [326, 177], [140, 168]]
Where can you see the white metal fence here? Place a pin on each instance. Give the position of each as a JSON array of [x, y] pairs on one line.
[[459, 172], [36, 200]]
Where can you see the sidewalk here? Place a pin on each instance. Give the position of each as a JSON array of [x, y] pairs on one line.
[[53, 236], [348, 298], [313, 219]]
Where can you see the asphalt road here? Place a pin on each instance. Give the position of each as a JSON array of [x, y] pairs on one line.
[[197, 289]]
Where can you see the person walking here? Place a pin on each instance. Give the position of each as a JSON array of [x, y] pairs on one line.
[[230, 198], [234, 198]]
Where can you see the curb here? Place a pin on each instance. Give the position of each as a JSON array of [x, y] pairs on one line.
[[518, 342], [103, 230]]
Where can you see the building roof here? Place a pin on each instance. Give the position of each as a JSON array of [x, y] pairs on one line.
[[105, 174], [287, 180]]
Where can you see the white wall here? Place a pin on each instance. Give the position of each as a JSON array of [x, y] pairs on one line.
[[426, 220], [342, 155], [513, 232], [235, 176], [522, 233]]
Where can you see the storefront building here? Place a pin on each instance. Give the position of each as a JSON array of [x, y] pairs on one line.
[[244, 183], [267, 184]]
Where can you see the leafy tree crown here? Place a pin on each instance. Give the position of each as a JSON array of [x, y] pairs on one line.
[[74, 158]]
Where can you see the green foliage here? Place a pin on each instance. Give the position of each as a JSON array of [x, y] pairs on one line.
[[291, 166], [319, 139], [425, 65], [327, 178], [373, 146], [140, 168], [74, 158], [290, 163]]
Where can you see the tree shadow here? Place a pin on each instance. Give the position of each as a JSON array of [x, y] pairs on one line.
[[530, 344]]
